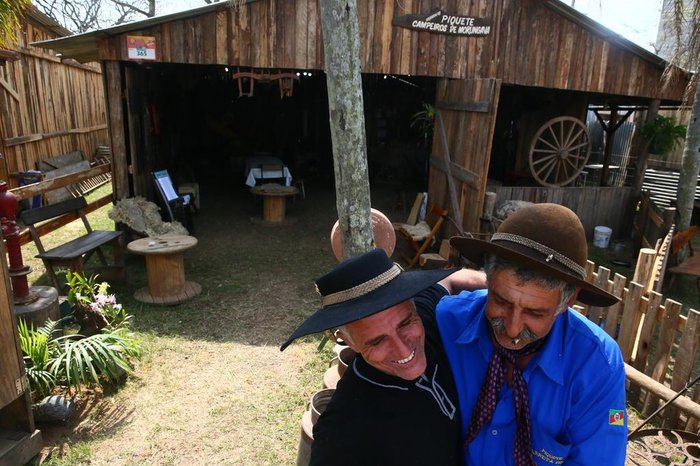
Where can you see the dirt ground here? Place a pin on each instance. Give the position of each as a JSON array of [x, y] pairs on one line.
[[213, 387]]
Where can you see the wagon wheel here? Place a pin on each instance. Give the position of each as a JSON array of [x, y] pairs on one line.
[[559, 151]]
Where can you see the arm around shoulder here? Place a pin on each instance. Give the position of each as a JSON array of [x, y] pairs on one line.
[[464, 279]]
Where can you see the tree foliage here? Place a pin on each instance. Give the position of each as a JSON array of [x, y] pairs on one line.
[[11, 12]]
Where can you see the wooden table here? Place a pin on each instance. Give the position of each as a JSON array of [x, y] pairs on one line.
[[165, 269], [274, 203]]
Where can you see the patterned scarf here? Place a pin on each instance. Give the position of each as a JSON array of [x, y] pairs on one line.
[[488, 398]]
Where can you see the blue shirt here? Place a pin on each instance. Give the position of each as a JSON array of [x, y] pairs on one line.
[[576, 387]]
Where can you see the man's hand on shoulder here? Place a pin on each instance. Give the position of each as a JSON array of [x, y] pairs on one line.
[[464, 279]]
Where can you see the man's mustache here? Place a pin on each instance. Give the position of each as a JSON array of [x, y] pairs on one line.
[[499, 327]]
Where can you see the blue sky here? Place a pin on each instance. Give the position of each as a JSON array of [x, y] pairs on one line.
[[637, 20]]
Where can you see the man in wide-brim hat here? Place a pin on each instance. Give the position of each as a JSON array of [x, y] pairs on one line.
[[538, 383], [396, 403]]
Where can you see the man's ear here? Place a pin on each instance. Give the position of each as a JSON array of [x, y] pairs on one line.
[[339, 333], [573, 298]]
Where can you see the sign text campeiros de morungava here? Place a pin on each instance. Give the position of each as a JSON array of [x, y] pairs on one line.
[[442, 23]]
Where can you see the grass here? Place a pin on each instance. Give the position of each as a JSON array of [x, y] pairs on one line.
[[212, 385]]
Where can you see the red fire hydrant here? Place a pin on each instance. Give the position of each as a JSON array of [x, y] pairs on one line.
[[10, 231]]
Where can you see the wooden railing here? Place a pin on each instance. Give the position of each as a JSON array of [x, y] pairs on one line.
[[646, 324], [30, 190]]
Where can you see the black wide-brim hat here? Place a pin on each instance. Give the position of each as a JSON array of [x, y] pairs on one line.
[[546, 238], [360, 287]]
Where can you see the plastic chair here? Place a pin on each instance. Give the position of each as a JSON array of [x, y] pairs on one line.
[[420, 236]]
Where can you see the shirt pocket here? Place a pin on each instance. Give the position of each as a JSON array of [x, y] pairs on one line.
[[547, 451]]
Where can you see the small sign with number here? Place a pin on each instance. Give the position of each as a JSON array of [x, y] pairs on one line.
[[141, 47]]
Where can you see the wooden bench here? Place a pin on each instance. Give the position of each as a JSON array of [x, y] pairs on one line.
[[76, 252]]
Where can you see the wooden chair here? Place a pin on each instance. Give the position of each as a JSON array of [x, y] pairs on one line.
[[421, 236], [413, 214]]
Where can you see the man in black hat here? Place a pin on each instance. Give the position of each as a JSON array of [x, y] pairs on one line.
[[538, 383], [396, 403]]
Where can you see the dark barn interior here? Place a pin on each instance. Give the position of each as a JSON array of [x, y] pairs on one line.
[[201, 124]]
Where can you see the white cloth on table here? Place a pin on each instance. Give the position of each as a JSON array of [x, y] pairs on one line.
[[253, 170]]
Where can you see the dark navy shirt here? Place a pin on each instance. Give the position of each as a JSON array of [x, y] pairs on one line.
[[378, 419]]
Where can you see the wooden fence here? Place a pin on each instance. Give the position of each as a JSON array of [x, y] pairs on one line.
[[658, 344], [49, 105]]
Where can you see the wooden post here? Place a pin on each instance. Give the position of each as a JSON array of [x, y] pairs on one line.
[[341, 45], [645, 338], [631, 316], [607, 152], [684, 364], [660, 390], [595, 312], [112, 72], [664, 345], [642, 147], [644, 271], [613, 314]]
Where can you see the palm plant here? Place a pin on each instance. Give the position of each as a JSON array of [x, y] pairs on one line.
[[79, 359], [35, 347]]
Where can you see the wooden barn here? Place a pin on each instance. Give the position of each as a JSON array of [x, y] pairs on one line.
[[50, 105], [511, 82]]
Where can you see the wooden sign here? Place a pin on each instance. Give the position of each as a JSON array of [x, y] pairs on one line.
[[141, 47], [442, 23]]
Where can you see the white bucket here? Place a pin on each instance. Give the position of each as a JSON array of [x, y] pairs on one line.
[[601, 236]]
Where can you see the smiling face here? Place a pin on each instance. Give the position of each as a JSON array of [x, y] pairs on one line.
[[392, 341], [520, 312]]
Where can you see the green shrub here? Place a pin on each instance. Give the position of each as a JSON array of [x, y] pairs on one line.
[[100, 352], [662, 134]]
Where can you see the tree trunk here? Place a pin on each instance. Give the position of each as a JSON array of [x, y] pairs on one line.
[[341, 43], [690, 165]]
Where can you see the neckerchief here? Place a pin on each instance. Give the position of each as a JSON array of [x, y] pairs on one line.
[[488, 398]]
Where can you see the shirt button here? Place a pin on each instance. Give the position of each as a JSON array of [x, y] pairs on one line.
[[494, 432]]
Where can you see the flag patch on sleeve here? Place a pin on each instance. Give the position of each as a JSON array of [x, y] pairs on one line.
[[617, 417]]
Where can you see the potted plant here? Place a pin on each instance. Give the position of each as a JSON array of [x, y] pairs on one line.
[[95, 346], [662, 134]]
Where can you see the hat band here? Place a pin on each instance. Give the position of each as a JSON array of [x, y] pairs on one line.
[[363, 288], [547, 251]]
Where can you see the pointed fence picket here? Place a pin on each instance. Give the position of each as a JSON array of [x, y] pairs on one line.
[[656, 340]]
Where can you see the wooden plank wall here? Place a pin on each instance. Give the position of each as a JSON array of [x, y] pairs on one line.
[[609, 206], [48, 107], [530, 44]]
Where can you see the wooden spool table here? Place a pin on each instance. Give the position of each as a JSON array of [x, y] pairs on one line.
[[274, 203], [165, 269]]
